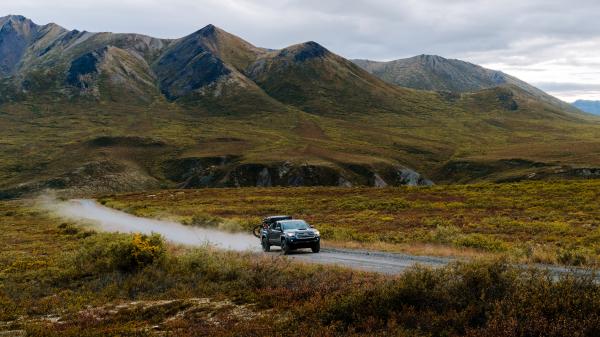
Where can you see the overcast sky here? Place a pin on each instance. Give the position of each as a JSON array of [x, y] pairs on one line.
[[553, 44]]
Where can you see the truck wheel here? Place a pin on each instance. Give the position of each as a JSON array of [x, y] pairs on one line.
[[316, 247], [285, 248], [265, 244]]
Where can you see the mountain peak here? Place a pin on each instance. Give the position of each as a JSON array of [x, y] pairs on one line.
[[433, 72], [16, 33], [430, 57], [209, 30], [18, 18], [305, 51], [431, 60], [227, 47]]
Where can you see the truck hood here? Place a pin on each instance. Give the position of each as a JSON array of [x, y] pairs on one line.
[[312, 231]]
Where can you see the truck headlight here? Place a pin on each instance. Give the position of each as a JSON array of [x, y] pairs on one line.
[[317, 233], [291, 235]]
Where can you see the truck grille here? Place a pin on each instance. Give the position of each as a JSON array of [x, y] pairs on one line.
[[305, 235]]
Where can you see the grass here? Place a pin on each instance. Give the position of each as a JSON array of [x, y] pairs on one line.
[[62, 279], [542, 222]]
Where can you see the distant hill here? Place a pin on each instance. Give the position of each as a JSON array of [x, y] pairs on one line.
[[592, 107], [104, 112], [432, 72]]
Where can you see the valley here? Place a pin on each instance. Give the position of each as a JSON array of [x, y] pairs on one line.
[[98, 112]]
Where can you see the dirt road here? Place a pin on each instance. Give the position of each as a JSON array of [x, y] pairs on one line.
[[388, 263], [108, 219]]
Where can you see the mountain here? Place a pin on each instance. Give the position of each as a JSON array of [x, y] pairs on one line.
[[103, 112], [592, 107], [432, 72]]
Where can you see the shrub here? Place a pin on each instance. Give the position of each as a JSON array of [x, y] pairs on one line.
[[126, 253], [445, 234], [139, 252], [477, 299], [441, 302], [574, 257], [203, 220], [480, 241], [68, 229]]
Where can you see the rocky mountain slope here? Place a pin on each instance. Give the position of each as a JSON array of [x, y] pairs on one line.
[[114, 112]]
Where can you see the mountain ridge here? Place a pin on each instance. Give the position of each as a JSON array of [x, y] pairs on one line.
[[433, 72], [211, 109]]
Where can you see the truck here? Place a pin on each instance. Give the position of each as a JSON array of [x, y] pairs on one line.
[[289, 234]]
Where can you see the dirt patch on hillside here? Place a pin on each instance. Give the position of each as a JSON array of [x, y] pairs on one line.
[[309, 129]]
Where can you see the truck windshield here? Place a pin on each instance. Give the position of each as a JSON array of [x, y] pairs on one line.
[[294, 224]]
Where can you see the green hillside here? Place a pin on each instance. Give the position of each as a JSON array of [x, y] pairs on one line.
[[101, 112]]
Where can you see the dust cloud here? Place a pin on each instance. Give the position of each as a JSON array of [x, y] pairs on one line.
[[110, 220]]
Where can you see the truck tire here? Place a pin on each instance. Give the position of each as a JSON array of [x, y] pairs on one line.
[[316, 247], [266, 246], [285, 248]]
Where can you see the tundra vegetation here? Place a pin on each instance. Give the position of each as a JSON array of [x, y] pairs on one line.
[[553, 222], [59, 278]]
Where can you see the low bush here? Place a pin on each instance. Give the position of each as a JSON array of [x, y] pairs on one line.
[[482, 242], [139, 252], [444, 234], [105, 252], [478, 299], [573, 257], [203, 220]]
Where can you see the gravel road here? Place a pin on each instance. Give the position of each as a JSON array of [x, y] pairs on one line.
[[111, 220], [388, 263]]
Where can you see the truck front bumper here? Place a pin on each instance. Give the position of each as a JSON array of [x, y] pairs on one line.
[[302, 243]]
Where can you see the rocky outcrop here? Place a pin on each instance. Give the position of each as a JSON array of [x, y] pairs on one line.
[[231, 172], [409, 177], [126, 141], [511, 170], [468, 171], [561, 172], [84, 68], [399, 176], [90, 178]]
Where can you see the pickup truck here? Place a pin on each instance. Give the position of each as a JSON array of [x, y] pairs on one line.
[[290, 234]]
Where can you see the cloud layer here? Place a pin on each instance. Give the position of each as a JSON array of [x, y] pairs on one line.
[[550, 43]]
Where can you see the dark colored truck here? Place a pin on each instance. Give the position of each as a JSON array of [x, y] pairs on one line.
[[289, 234]]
